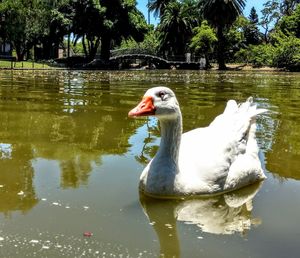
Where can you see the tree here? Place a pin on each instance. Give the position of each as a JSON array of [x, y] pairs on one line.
[[87, 25], [251, 32], [270, 16], [176, 27], [158, 6], [236, 37], [122, 20], [149, 45], [291, 23], [261, 55], [203, 41], [221, 14], [242, 35], [287, 51], [104, 23], [253, 17], [58, 24], [273, 11], [19, 25], [288, 6], [27, 23]]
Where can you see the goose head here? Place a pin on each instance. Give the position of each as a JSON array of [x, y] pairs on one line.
[[160, 102]]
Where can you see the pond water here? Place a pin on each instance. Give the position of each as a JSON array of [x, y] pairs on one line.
[[70, 161]]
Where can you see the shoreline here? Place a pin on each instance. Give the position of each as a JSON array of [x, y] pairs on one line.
[[230, 67], [247, 67]]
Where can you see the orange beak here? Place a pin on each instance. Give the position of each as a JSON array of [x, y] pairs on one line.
[[144, 108]]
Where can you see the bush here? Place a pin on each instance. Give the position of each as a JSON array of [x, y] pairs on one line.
[[260, 55], [287, 51], [282, 52], [149, 46]]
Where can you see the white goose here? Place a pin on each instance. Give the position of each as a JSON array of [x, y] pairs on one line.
[[205, 161]]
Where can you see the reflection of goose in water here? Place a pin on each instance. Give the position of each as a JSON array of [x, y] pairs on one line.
[[224, 214]]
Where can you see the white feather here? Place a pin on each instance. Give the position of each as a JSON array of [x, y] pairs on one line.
[[219, 158]]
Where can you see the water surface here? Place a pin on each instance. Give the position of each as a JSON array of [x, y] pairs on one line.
[[70, 161]]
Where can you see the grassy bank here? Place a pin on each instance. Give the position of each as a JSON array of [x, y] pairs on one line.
[[28, 65], [23, 65]]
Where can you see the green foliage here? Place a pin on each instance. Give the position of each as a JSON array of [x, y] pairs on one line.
[[270, 15], [283, 53], [87, 23], [15, 26], [77, 49], [158, 6], [243, 33], [253, 17], [149, 45], [251, 32], [124, 21], [26, 23], [288, 6], [235, 37], [102, 25], [176, 27], [282, 47], [32, 22], [291, 23], [287, 51], [221, 14], [260, 55], [204, 39], [274, 11]]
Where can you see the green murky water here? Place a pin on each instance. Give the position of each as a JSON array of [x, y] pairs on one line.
[[70, 161]]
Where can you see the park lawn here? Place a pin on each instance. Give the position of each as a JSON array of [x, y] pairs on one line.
[[24, 65]]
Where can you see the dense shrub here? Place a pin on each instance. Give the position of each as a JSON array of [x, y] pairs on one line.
[[282, 52], [286, 52], [258, 55]]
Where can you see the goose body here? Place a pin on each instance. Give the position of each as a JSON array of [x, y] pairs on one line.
[[219, 158]]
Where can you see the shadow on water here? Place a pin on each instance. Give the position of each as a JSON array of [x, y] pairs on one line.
[[224, 214]]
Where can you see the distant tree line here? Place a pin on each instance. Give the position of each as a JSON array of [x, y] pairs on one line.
[[212, 29], [93, 23], [218, 30]]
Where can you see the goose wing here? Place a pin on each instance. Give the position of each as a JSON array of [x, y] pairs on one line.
[[212, 157]]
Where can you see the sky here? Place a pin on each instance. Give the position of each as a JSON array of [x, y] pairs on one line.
[[257, 4]]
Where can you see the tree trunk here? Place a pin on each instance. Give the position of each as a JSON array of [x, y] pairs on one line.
[[46, 51], [221, 48], [94, 48], [84, 46], [207, 63], [19, 52], [105, 48]]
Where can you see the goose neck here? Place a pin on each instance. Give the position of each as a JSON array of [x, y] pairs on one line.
[[171, 130]]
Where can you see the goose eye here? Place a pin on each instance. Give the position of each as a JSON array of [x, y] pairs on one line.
[[161, 94]]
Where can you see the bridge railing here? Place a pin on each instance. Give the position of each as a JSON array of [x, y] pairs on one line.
[[188, 57], [133, 51]]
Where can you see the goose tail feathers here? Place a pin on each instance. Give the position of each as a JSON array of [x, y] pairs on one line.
[[253, 110]]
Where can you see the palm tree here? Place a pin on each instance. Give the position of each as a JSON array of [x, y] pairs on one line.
[[221, 14], [158, 6], [176, 26]]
